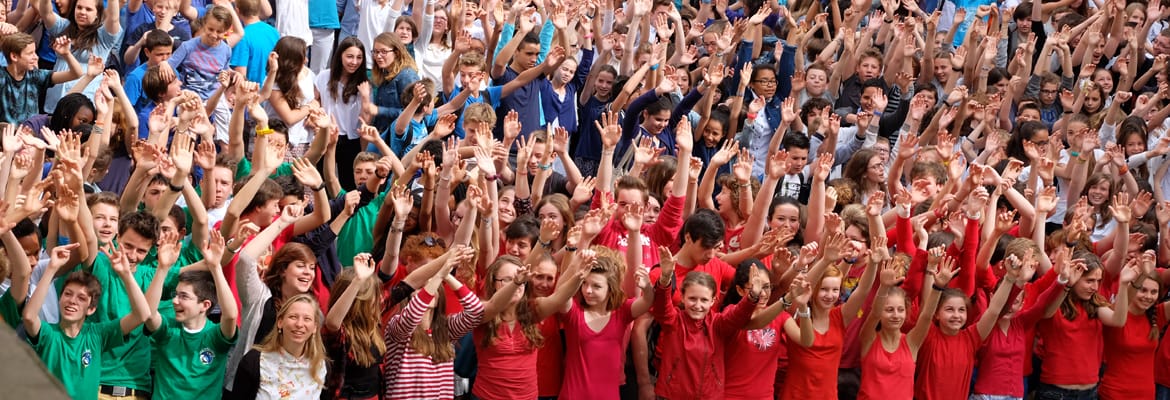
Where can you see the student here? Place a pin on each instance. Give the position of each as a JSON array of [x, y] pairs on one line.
[[249, 56], [95, 29], [420, 340], [352, 333], [393, 74], [290, 362], [887, 372], [21, 82], [343, 89], [158, 46], [135, 42], [1130, 349], [690, 344], [293, 92], [198, 62], [190, 352], [72, 349]]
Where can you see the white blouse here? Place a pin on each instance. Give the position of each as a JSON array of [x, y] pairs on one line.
[[283, 376]]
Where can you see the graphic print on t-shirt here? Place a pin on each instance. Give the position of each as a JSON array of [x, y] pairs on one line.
[[763, 338]]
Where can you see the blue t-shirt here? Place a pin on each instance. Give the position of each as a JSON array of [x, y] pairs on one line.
[[18, 99], [414, 135], [493, 94], [198, 65], [526, 102], [588, 139], [323, 14], [252, 51], [102, 48], [133, 88]]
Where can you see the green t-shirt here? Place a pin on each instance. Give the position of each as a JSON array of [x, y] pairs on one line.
[[127, 364], [76, 361], [9, 310], [357, 235], [244, 169], [189, 365]]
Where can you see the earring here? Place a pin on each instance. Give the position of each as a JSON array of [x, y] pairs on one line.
[[279, 331]]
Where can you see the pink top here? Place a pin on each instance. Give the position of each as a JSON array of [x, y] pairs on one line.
[[887, 375], [1129, 360], [593, 360], [946, 363]]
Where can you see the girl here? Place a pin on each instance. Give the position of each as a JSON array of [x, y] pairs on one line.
[[736, 192], [293, 93], [95, 29], [394, 72], [759, 344], [553, 211], [1003, 354], [595, 323], [435, 49], [342, 90], [1099, 189], [352, 333], [419, 361], [891, 372], [690, 344], [1078, 327], [813, 364], [291, 271], [1130, 348], [868, 171], [290, 362]]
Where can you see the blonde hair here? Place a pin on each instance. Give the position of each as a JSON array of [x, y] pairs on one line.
[[314, 349], [363, 335]]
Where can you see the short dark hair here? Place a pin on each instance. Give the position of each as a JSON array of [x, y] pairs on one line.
[[179, 216], [524, 227], [158, 38], [268, 191], [24, 228], [795, 140], [202, 284], [705, 227], [142, 222], [290, 187], [153, 84]]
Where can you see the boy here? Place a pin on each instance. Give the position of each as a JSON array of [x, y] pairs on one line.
[[158, 87], [73, 349], [190, 351], [198, 62], [471, 67], [178, 30], [250, 55], [158, 46], [22, 83]]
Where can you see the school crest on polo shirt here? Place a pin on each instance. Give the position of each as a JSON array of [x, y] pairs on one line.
[[206, 356], [86, 357]]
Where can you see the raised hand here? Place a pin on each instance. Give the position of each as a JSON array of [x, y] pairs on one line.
[[363, 266], [666, 264], [306, 173]]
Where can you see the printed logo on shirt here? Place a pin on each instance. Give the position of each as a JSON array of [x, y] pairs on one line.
[[624, 240], [763, 338], [86, 357], [206, 356]]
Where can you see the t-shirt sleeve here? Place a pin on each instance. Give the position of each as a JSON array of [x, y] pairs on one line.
[[285, 169], [59, 26], [495, 92], [218, 341], [43, 78], [162, 335]]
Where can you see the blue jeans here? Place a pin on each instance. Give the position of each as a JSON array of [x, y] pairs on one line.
[[1050, 392], [1161, 392]]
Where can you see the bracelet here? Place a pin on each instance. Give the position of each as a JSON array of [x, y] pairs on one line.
[[878, 114], [319, 188], [265, 131], [570, 248], [752, 115], [784, 302], [444, 178], [1062, 280], [1074, 153], [654, 67], [545, 167], [936, 287], [174, 188], [1124, 170], [491, 178], [544, 243], [381, 176], [805, 313], [589, 36]]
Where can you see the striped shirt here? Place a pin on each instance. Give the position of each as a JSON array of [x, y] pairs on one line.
[[410, 375]]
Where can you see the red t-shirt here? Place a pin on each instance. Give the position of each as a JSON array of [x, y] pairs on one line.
[[751, 357], [723, 273], [1005, 354], [1162, 360], [1078, 349], [887, 375], [507, 368], [593, 360], [1129, 360], [946, 363], [812, 371], [550, 359], [731, 238]]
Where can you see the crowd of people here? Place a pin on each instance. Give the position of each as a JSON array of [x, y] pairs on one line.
[[588, 199]]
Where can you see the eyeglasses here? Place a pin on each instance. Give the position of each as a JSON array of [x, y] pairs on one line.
[[506, 280], [877, 167], [431, 241], [765, 82], [382, 52]]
